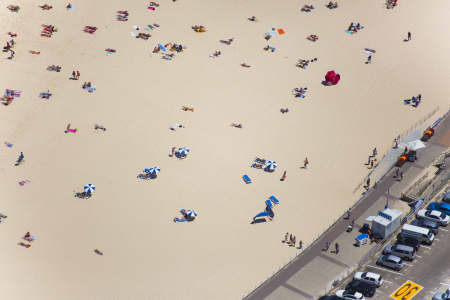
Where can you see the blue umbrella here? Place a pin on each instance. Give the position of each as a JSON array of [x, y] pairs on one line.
[[89, 188], [191, 213], [271, 165], [183, 151], [147, 170], [154, 171]]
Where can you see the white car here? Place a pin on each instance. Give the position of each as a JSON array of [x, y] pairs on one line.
[[434, 215], [369, 277], [349, 295]]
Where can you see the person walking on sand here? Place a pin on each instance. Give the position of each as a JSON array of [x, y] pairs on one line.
[[369, 59], [78, 75], [327, 246], [286, 236], [305, 163], [173, 151], [409, 35], [371, 164], [300, 245], [283, 178], [74, 75]]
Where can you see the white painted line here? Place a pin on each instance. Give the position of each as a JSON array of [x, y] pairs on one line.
[[418, 256], [426, 247], [443, 229], [410, 265], [384, 280], [393, 272], [443, 283], [437, 239]]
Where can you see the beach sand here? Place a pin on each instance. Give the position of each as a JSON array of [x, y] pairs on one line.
[[139, 96]]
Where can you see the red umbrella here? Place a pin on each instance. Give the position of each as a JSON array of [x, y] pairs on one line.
[[332, 77]]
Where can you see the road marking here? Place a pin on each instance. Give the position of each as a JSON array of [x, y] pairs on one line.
[[437, 240], [384, 280], [406, 291], [410, 265], [443, 229], [396, 273], [418, 256], [426, 247], [443, 283]]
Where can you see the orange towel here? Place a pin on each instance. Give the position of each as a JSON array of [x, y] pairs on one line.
[[281, 31]]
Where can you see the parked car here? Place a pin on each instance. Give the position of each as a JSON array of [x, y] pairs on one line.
[[442, 207], [431, 225], [369, 277], [408, 241], [446, 197], [367, 289], [442, 296], [400, 250], [350, 295], [390, 261], [434, 215]]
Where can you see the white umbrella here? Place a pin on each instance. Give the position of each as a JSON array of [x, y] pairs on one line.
[[89, 188], [191, 213], [414, 145], [154, 170], [183, 151], [271, 165]]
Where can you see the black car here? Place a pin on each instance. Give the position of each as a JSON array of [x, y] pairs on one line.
[[367, 289], [408, 241], [432, 226]]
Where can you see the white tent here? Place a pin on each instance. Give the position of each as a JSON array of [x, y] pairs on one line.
[[413, 145]]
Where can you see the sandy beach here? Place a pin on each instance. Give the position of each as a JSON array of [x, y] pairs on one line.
[[139, 96]]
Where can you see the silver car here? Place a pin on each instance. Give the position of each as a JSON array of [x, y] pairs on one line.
[[434, 215], [350, 295], [369, 277], [442, 296], [390, 261]]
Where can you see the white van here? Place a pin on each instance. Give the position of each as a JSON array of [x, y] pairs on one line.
[[421, 234]]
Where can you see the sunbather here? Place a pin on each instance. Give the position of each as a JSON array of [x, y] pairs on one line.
[[198, 28], [227, 42], [245, 65], [46, 7], [186, 108], [98, 252], [99, 127], [313, 37], [143, 36], [284, 110], [12, 34], [215, 54], [237, 125], [307, 8], [257, 166], [35, 52], [13, 8], [332, 5], [252, 18], [260, 160]]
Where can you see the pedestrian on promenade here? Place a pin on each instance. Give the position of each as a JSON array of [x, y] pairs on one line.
[[300, 244], [305, 163], [290, 239], [409, 36], [327, 246], [349, 213], [286, 237], [368, 182], [337, 248], [397, 173], [401, 175], [368, 160]]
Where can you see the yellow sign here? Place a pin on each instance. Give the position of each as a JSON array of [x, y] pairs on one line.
[[407, 291]]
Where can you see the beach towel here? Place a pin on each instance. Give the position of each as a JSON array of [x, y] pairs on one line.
[[9, 145], [274, 199], [24, 245], [407, 102], [23, 182], [132, 34], [350, 32], [246, 179], [281, 31], [176, 220], [151, 8]]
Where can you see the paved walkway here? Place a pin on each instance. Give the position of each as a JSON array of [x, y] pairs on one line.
[[308, 276]]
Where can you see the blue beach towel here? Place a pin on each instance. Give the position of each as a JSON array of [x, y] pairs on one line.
[[246, 179], [274, 200]]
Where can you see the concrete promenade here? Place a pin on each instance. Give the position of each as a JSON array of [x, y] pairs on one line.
[[312, 272]]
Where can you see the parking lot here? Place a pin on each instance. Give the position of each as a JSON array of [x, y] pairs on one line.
[[428, 273]]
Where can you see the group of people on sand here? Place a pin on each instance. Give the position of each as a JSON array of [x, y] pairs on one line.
[[29, 238], [332, 5], [48, 30], [199, 28], [353, 28], [9, 47], [291, 240], [390, 4], [302, 63], [89, 87], [313, 37], [122, 15], [13, 8], [300, 92], [46, 6], [414, 101], [307, 8]]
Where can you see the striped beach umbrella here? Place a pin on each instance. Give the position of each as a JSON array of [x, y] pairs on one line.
[[154, 171], [191, 213], [89, 188], [183, 151], [271, 164]]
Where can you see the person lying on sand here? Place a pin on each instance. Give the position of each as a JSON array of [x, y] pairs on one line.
[[284, 110], [198, 28], [176, 126], [99, 127], [172, 153], [186, 108], [245, 65], [98, 252], [144, 36], [307, 8], [46, 6], [227, 42], [332, 5], [12, 34], [260, 160], [313, 37], [237, 125], [35, 52], [68, 129], [215, 54], [13, 8]]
